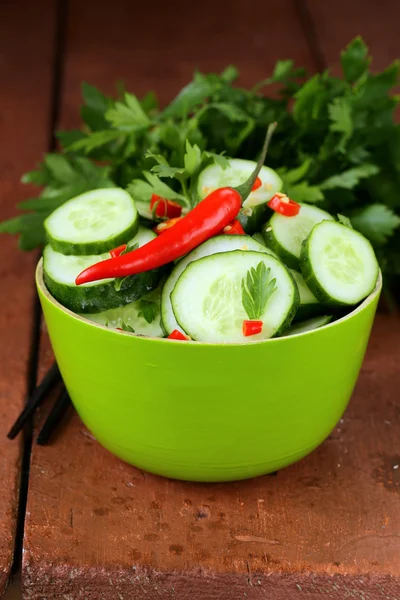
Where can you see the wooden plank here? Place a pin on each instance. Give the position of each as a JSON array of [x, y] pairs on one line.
[[326, 527], [337, 23], [26, 36], [161, 50]]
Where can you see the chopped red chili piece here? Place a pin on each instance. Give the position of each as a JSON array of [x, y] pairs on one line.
[[161, 227], [164, 207], [252, 327], [281, 204], [177, 335], [257, 184], [117, 251], [234, 228]]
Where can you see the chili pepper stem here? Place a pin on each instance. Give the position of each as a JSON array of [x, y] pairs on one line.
[[245, 188]]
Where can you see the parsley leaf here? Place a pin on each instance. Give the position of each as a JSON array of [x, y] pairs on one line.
[[192, 159], [377, 222], [125, 327], [340, 115], [355, 60], [148, 310], [127, 115], [344, 220], [130, 247], [350, 178], [256, 290]]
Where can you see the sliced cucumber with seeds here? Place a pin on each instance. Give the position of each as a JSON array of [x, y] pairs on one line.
[[214, 177], [60, 272], [309, 305], [285, 235], [207, 298], [338, 264], [222, 243], [133, 316], [93, 222], [308, 325]]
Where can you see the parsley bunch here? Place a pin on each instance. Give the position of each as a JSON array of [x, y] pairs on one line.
[[336, 145]]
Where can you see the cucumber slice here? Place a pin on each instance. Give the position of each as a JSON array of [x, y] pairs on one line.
[[214, 177], [60, 272], [309, 305], [308, 325], [253, 218], [286, 234], [338, 264], [143, 209], [93, 222], [132, 315], [207, 298], [221, 243], [143, 236]]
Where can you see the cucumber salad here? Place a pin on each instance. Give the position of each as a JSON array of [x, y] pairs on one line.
[[276, 268]]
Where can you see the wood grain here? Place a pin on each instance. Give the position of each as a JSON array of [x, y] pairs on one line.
[[325, 528], [329, 525], [338, 23], [160, 49], [26, 38]]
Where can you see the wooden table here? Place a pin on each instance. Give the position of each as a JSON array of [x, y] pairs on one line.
[[328, 527]]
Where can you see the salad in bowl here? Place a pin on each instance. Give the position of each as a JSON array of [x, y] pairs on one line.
[[246, 264]]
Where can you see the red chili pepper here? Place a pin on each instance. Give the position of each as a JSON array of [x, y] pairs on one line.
[[177, 335], [257, 184], [281, 204], [234, 228], [161, 227], [117, 251], [164, 207], [206, 219], [252, 327]]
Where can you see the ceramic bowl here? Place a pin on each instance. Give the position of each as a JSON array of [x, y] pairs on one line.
[[208, 412]]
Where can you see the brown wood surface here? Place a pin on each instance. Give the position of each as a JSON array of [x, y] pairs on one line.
[[26, 41], [337, 23], [328, 527]]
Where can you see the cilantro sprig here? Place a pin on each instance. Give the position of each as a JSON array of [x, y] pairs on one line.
[[257, 290]]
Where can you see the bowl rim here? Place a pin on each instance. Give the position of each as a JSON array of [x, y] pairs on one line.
[[42, 286]]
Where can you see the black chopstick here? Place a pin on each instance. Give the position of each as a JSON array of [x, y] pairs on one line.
[[52, 377], [55, 417]]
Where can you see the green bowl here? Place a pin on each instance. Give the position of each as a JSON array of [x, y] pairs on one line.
[[208, 412]]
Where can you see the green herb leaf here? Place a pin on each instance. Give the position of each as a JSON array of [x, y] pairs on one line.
[[304, 192], [189, 97], [148, 310], [127, 115], [130, 247], [219, 159], [340, 115], [377, 222], [350, 178], [95, 140], [229, 74], [344, 220], [256, 290], [125, 327], [95, 107], [355, 60], [192, 159]]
